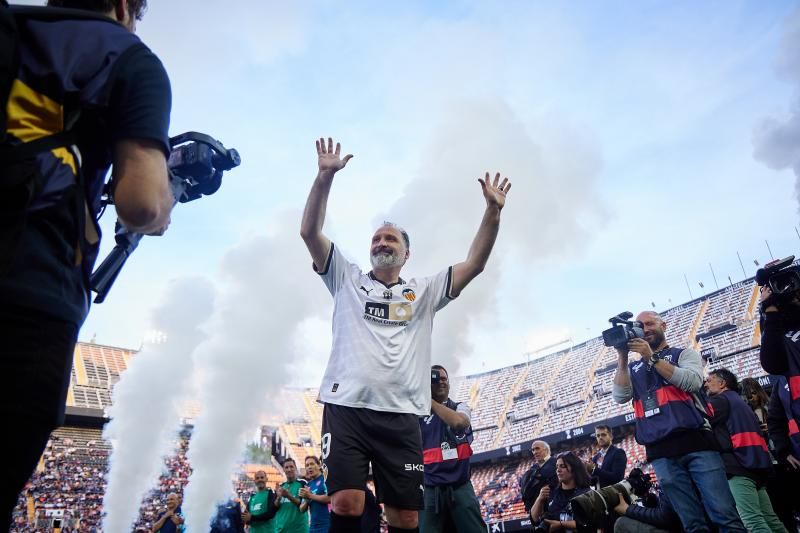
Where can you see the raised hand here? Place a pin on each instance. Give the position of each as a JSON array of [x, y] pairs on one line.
[[494, 191], [328, 159]]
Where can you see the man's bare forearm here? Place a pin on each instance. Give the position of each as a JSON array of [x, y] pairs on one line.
[[484, 240], [316, 204], [479, 251]]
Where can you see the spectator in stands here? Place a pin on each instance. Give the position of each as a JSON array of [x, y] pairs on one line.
[[446, 438], [261, 507], [553, 508], [666, 386], [744, 452], [652, 514], [607, 466], [171, 521], [291, 516], [382, 322], [316, 494], [785, 437], [541, 474]]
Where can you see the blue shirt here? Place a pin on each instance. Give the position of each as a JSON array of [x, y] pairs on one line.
[[320, 515]]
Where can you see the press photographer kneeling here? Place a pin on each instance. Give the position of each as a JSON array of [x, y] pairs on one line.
[[552, 511], [639, 508]]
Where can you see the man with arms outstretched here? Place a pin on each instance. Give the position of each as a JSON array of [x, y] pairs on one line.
[[377, 380]]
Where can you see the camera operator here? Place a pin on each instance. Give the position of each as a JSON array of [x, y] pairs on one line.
[[446, 439], [666, 386], [780, 351], [541, 474], [744, 452], [77, 105], [552, 511], [652, 513], [785, 437]]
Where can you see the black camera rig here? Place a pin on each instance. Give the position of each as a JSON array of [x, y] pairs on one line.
[[622, 330], [781, 276], [196, 163]]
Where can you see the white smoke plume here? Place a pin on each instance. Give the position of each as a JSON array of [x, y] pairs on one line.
[[777, 141], [144, 412], [552, 209], [249, 356]]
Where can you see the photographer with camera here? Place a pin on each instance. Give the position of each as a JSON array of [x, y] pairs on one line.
[[785, 438], [666, 387], [541, 474], [780, 324], [74, 107], [446, 439], [650, 513], [744, 452], [552, 510]]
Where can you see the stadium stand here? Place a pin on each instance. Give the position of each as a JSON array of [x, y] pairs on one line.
[[545, 398]]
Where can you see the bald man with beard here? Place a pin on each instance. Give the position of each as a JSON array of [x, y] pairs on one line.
[[671, 412]]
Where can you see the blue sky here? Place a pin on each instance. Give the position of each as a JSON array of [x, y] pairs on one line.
[[626, 128]]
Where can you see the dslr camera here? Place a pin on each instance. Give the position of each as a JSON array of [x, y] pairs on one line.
[[623, 329], [591, 508], [783, 279]]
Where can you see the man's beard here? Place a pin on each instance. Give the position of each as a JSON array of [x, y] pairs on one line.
[[658, 338], [382, 260]]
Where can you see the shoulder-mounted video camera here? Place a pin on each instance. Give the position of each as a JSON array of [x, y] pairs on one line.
[[196, 163], [780, 276], [623, 330]]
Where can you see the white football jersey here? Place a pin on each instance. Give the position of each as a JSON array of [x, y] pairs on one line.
[[381, 353]]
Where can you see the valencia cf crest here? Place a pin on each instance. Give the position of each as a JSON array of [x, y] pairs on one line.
[[409, 295]]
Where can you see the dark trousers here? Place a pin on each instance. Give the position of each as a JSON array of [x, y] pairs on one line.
[[35, 361], [451, 509]]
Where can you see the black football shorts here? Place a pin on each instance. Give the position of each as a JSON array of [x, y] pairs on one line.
[[352, 438]]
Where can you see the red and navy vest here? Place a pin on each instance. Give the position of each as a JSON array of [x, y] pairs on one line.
[[749, 446], [781, 388], [793, 380], [659, 406], [445, 453]]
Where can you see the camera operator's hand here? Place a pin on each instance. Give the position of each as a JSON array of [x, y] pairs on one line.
[[641, 347], [328, 159], [764, 295], [621, 507]]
